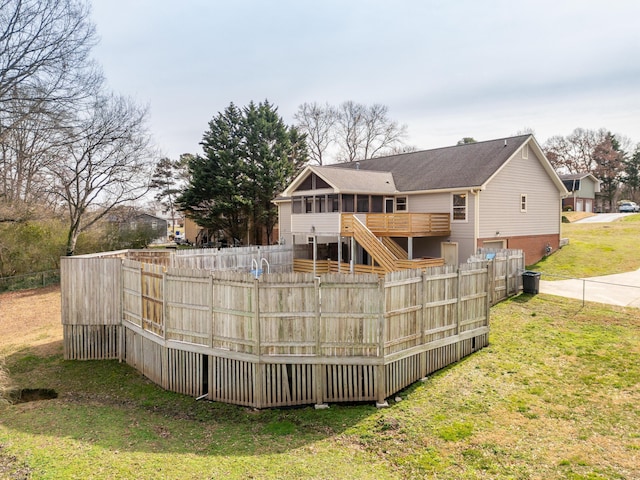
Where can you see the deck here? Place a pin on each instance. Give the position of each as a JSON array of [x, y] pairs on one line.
[[400, 224]]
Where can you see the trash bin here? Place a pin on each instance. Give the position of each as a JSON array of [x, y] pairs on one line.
[[531, 282]]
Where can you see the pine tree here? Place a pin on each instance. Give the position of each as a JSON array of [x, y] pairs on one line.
[[250, 156], [166, 180]]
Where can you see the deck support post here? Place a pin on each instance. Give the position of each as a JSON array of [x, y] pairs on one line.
[[410, 248]]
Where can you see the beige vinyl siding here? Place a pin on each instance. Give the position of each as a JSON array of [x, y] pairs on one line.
[[324, 223], [430, 203], [284, 222], [500, 203], [587, 188], [461, 232]]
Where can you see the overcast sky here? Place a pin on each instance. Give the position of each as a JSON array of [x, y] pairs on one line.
[[447, 69]]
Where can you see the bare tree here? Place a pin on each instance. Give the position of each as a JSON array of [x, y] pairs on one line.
[[317, 122], [366, 132], [355, 131], [45, 75], [381, 134], [44, 52], [350, 130], [108, 163], [26, 149], [574, 153]]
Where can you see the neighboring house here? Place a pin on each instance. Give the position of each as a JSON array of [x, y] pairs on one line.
[[146, 221], [444, 203], [582, 188], [175, 223]]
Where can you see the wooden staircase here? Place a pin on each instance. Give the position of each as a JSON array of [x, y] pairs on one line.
[[376, 248], [396, 249]]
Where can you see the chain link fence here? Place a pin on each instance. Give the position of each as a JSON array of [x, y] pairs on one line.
[[30, 280]]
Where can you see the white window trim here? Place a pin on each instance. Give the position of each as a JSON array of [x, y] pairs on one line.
[[523, 201], [466, 207], [406, 204]]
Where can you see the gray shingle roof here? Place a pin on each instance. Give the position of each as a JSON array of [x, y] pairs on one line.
[[361, 181], [469, 165], [574, 176]]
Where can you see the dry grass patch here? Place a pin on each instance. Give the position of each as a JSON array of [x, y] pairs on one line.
[[31, 319]]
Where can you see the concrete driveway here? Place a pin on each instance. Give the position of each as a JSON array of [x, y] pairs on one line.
[[603, 217], [622, 289]]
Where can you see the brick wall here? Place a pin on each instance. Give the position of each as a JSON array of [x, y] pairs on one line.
[[534, 246]]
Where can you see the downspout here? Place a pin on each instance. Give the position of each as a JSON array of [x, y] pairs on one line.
[[476, 217]]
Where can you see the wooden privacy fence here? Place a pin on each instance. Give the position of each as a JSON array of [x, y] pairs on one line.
[[280, 339], [505, 271]]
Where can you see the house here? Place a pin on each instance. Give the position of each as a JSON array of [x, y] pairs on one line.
[[582, 188], [446, 202], [155, 228]]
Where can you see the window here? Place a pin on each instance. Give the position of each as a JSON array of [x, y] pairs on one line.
[[306, 184], [347, 203], [525, 152], [308, 204], [296, 205], [312, 182], [523, 203], [376, 204], [154, 224], [321, 204], [460, 206], [363, 203], [401, 204], [332, 203]]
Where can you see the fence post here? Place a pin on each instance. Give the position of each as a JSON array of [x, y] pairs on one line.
[[142, 313], [256, 332], [318, 367], [490, 288], [164, 302], [381, 380], [507, 270], [458, 313], [121, 346]]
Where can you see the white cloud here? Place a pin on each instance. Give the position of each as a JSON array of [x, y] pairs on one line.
[[446, 69]]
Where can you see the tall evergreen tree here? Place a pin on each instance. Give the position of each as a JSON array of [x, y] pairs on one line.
[[609, 161], [214, 196], [274, 153], [250, 155], [166, 180], [631, 177]]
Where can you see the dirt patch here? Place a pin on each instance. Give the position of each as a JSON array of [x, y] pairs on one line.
[[31, 318], [575, 216], [32, 395]]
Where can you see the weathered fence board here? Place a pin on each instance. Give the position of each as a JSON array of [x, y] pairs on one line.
[[277, 339], [83, 283]]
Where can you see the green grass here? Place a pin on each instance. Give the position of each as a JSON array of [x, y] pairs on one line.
[[556, 395], [595, 249]]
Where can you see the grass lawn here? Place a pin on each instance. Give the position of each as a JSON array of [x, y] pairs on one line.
[[595, 249], [556, 395]]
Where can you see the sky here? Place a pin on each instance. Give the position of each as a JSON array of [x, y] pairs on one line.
[[446, 69]]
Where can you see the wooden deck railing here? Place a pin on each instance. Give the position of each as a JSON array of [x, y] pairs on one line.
[[331, 266], [401, 224]]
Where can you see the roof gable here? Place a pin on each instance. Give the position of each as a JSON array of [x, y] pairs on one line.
[[468, 166], [357, 181], [461, 166]]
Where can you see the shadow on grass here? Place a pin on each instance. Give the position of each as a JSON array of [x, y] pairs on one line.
[[110, 404]]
